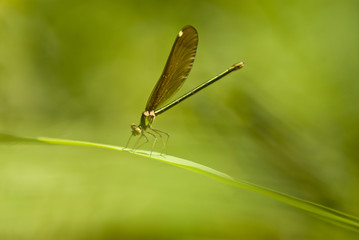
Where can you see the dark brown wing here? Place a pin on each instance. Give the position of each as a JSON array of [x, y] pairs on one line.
[[177, 68]]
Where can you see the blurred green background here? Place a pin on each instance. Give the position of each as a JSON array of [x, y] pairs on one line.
[[84, 70]]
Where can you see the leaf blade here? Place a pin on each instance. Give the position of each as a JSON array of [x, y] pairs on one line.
[[322, 212]]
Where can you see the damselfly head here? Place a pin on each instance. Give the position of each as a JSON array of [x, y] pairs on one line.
[[136, 130]]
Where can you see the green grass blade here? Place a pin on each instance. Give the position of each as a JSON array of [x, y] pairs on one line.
[[324, 213]]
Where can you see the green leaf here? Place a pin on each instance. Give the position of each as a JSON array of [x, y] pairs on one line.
[[324, 213]]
